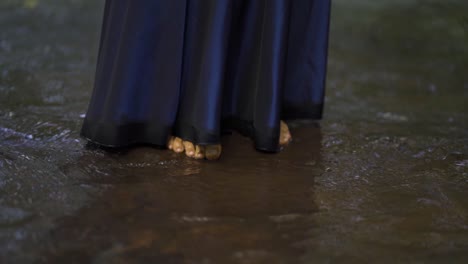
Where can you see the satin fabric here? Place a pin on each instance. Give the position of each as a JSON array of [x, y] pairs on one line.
[[196, 68]]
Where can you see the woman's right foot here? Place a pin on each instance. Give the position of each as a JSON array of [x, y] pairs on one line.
[[209, 152]]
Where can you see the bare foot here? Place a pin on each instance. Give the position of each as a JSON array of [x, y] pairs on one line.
[[285, 134], [209, 152]]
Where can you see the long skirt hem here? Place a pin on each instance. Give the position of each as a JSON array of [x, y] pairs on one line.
[[196, 68]]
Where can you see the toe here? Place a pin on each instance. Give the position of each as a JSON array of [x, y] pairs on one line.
[[177, 145], [199, 152], [170, 143], [212, 152], [189, 148]]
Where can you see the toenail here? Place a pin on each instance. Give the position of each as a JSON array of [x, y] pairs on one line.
[[190, 153]]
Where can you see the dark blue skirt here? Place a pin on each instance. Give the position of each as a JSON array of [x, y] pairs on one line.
[[197, 68]]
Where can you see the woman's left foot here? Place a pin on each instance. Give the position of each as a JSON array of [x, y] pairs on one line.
[[285, 134]]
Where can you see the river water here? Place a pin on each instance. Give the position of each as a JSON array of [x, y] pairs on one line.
[[383, 178]]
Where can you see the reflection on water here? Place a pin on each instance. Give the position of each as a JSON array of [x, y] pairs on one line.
[[31, 3], [247, 205], [384, 177]]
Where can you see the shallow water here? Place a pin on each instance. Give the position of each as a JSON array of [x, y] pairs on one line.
[[382, 178]]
